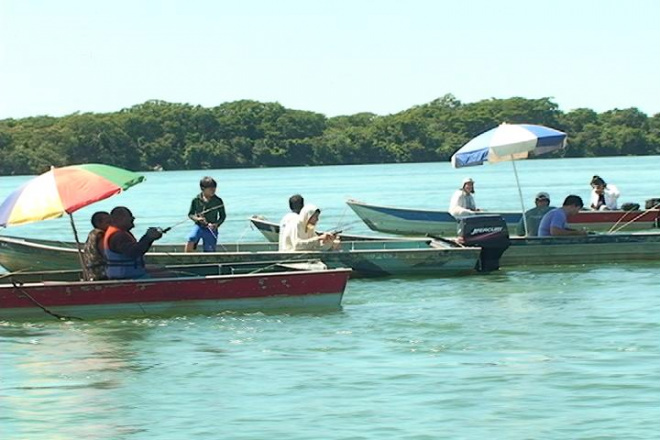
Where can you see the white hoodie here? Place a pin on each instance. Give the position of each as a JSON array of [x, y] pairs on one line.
[[611, 193], [298, 235]]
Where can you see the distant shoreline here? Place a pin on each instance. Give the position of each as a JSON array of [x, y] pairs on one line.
[[158, 135]]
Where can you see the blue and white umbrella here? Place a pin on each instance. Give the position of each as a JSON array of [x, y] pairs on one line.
[[509, 142]]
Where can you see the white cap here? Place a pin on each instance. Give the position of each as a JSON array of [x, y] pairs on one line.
[[467, 180], [543, 195]]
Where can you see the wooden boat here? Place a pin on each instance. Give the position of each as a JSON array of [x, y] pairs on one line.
[[422, 222], [597, 248], [183, 294], [366, 258]]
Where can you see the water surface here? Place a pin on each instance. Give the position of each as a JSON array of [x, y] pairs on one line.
[[542, 353]]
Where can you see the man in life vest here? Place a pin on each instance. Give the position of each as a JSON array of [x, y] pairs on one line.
[[123, 253]]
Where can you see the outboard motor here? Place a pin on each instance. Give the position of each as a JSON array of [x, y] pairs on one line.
[[488, 232]]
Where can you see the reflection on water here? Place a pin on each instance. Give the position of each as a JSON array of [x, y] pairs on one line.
[[67, 372]]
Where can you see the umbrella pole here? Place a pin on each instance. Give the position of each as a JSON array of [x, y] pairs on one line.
[[79, 248], [522, 203]]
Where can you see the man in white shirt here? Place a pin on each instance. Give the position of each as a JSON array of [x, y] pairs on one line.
[[462, 202], [296, 203]]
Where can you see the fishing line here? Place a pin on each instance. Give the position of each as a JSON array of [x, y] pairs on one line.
[[215, 235]]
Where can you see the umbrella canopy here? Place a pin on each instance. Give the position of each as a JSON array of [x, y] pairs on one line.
[[63, 191], [508, 142]]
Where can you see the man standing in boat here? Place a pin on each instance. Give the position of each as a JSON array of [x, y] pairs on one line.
[[462, 202], [555, 222], [207, 210], [534, 215], [124, 254], [296, 203]]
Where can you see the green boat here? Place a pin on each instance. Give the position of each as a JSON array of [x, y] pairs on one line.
[[589, 249], [373, 258], [532, 251]]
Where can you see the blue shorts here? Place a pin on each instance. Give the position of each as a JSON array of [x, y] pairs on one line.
[[209, 238]]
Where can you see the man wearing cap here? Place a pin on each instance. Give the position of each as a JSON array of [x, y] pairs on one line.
[[462, 202], [535, 215]]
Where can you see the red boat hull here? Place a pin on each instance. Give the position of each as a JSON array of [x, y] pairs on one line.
[[213, 294], [605, 220]]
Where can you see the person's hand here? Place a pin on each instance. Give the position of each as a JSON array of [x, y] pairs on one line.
[[326, 238], [154, 233], [212, 226]]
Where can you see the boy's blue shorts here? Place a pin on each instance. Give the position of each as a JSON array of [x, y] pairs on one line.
[[209, 238]]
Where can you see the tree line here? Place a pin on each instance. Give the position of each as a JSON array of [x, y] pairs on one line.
[[171, 136]]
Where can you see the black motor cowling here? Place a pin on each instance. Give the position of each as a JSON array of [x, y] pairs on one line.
[[488, 232]]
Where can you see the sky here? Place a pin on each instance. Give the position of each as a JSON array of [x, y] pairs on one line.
[[334, 57]]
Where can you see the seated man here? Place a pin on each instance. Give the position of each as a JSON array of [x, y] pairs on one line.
[[92, 252], [555, 222], [300, 235], [534, 215], [123, 253]]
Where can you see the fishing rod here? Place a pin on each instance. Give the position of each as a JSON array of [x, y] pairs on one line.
[[630, 221], [165, 230], [215, 235], [341, 228]]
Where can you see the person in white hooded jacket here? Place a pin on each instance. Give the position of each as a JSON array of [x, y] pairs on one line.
[[603, 196], [301, 235]]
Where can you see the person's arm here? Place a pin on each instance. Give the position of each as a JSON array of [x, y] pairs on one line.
[[194, 215], [300, 243], [593, 203], [123, 243], [611, 195], [558, 228], [520, 229], [222, 215], [555, 231]]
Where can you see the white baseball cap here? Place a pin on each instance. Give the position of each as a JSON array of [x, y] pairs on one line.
[[467, 180], [543, 195]]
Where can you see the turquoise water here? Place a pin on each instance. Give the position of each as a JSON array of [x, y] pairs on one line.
[[545, 353]]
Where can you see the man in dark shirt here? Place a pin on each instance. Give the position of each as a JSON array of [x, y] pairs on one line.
[[208, 212]]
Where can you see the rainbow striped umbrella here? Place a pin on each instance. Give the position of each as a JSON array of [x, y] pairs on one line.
[[63, 191]]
